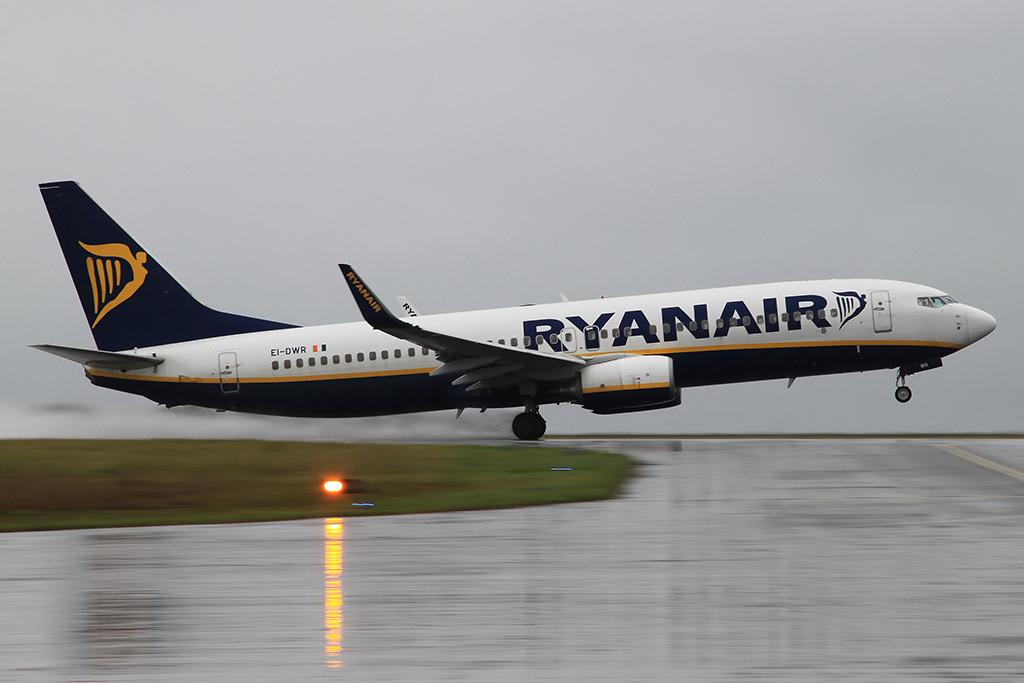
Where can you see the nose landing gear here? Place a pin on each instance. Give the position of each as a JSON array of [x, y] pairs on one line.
[[903, 392], [529, 425]]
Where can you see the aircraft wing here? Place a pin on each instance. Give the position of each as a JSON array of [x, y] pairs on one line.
[[481, 365], [107, 360]]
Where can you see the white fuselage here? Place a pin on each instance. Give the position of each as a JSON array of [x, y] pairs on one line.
[[729, 334]]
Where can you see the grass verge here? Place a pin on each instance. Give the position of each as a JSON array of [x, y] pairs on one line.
[[68, 484]]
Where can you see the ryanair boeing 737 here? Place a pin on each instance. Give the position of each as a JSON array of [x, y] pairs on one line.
[[614, 355]]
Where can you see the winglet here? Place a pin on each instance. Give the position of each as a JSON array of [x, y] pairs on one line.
[[369, 304]]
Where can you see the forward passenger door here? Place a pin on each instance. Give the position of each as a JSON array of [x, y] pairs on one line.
[[880, 313]]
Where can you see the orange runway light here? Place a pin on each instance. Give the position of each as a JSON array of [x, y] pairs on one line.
[[333, 486]]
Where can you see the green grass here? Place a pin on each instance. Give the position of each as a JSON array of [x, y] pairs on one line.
[[66, 484]]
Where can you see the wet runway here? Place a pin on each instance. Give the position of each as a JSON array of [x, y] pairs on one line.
[[787, 560]]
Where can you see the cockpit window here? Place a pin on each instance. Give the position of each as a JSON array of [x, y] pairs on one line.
[[935, 301]]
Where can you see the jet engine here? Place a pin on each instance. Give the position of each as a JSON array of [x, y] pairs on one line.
[[628, 384]]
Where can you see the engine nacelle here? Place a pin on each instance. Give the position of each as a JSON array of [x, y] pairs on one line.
[[627, 385]]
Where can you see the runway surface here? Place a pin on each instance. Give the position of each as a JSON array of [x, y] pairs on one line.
[[784, 560]]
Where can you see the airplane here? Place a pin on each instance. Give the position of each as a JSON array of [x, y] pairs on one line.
[[609, 355]]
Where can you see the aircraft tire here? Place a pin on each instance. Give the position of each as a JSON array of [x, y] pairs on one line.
[[903, 394], [529, 426]]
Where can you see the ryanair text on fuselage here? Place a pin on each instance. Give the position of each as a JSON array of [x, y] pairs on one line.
[[696, 321]]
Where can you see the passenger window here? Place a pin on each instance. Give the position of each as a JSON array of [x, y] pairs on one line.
[[719, 323], [348, 357], [591, 334], [746, 320], [654, 329], [412, 352], [323, 360], [514, 341], [679, 326], [275, 365], [616, 332], [604, 334], [373, 355], [821, 314], [398, 353], [312, 362], [384, 355], [336, 359], [553, 338], [360, 356], [568, 336], [772, 318], [834, 313], [540, 340], [628, 332], [693, 325], [704, 324], [501, 342], [426, 351], [287, 365], [785, 317], [298, 362]]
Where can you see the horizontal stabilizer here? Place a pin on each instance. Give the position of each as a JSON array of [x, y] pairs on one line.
[[107, 360]]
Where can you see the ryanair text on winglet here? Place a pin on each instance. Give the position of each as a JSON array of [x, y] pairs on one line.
[[358, 285]]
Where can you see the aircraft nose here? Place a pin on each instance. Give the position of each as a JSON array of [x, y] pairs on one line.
[[979, 324]]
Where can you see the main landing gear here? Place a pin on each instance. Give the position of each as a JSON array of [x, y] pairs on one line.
[[529, 425], [903, 392]]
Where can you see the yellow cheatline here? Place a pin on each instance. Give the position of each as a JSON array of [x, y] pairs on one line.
[[623, 387], [781, 345]]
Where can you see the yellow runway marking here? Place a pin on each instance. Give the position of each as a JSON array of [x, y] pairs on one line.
[[983, 462]]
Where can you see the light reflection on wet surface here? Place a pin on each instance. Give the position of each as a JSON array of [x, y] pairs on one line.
[[772, 560], [333, 598]]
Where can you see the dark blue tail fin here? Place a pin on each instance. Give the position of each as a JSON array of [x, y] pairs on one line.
[[129, 299]]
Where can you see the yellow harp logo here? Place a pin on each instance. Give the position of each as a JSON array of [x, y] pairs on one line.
[[110, 284]]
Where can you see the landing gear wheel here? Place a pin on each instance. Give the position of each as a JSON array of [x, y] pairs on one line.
[[529, 426], [903, 394]]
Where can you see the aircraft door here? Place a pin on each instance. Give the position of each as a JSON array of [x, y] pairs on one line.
[[227, 366], [569, 336], [880, 313]]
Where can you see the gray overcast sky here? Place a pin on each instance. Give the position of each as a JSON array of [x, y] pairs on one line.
[[475, 155]]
